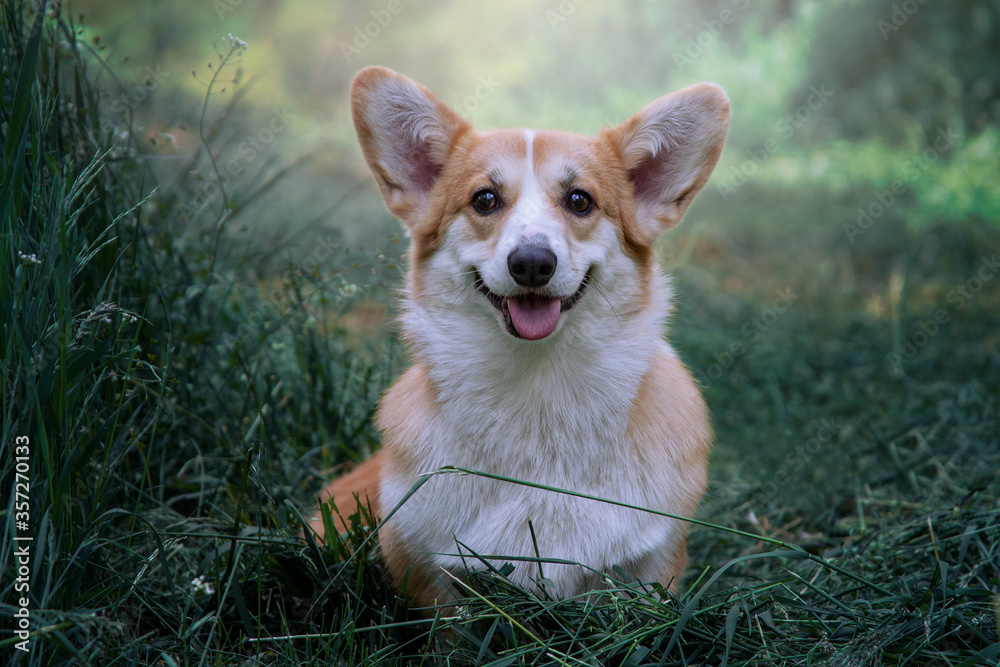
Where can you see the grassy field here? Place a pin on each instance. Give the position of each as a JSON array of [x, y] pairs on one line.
[[175, 391]]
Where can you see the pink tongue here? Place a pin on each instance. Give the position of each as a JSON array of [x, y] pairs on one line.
[[533, 316]]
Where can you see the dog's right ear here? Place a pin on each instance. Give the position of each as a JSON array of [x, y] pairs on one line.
[[405, 134]]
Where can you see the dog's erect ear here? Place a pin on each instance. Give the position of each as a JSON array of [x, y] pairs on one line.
[[669, 149], [405, 134]]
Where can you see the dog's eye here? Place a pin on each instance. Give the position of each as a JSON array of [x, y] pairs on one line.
[[485, 201], [579, 202]]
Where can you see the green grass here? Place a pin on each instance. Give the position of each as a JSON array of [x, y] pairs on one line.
[[185, 392]]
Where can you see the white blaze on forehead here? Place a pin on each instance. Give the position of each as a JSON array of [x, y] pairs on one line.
[[531, 199]]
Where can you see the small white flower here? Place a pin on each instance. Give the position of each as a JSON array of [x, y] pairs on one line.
[[28, 259], [236, 41], [201, 585]]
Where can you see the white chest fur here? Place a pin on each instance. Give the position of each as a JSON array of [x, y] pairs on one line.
[[556, 415]]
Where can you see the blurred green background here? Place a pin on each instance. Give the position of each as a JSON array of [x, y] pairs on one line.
[[892, 78], [860, 171]]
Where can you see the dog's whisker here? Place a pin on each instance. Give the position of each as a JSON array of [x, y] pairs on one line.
[[600, 290], [458, 297]]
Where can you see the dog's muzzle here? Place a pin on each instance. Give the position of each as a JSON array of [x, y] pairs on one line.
[[532, 314]]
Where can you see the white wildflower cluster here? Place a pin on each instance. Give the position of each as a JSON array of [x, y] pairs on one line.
[[201, 585], [28, 258], [234, 42]]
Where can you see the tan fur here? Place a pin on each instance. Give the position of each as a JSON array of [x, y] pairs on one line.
[[409, 401], [360, 485], [669, 404]]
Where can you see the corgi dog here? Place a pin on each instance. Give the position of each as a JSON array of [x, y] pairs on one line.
[[534, 311]]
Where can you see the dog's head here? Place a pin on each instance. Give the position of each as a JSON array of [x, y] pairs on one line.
[[534, 228]]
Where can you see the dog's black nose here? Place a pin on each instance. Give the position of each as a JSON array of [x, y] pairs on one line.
[[531, 265]]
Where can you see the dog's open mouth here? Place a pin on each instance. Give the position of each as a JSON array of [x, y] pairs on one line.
[[531, 315]]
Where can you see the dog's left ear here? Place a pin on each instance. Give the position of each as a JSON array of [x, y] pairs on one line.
[[669, 149]]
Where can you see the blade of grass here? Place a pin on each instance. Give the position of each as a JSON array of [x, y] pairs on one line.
[[801, 553]]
